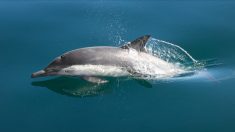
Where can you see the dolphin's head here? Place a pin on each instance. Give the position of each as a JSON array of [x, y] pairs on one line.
[[56, 65]]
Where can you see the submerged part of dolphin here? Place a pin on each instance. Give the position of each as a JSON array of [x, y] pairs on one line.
[[92, 63]]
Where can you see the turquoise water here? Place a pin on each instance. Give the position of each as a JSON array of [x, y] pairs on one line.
[[32, 33]]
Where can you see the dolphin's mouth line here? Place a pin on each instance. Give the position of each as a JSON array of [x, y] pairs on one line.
[[44, 72], [40, 73]]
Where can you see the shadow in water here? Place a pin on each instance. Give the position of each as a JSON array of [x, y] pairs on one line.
[[77, 87]]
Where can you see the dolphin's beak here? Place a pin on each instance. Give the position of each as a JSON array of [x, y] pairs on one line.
[[40, 73]]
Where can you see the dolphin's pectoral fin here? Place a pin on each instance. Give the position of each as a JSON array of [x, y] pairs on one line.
[[137, 44], [144, 83], [94, 79]]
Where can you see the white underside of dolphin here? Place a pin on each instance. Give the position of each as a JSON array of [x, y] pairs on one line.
[[94, 70]]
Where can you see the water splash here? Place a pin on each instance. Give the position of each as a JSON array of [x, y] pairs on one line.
[[170, 53], [182, 64], [173, 61]]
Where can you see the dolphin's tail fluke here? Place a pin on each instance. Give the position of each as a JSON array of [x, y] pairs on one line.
[[40, 73]]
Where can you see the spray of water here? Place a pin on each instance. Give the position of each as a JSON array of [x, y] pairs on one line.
[[170, 53], [172, 61]]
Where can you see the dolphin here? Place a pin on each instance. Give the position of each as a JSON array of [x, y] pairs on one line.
[[95, 63]]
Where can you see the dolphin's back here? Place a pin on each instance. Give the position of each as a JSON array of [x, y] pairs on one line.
[[101, 55]]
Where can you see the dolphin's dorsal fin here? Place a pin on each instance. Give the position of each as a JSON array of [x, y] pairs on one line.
[[137, 44]]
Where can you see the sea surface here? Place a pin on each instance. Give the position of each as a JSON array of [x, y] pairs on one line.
[[32, 33]]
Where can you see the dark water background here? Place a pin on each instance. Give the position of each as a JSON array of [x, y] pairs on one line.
[[32, 33]]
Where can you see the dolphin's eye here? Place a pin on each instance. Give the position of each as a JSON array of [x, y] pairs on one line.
[[62, 56]]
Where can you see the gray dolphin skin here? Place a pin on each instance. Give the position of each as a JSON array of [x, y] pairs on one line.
[[91, 63]]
